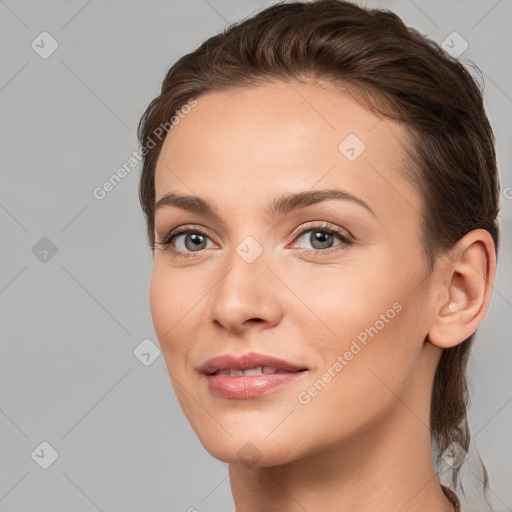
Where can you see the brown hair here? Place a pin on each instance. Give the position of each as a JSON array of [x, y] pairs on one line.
[[394, 71]]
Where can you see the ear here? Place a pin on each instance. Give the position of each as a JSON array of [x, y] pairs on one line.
[[465, 289]]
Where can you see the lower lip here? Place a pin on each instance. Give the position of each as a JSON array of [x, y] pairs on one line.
[[248, 386]]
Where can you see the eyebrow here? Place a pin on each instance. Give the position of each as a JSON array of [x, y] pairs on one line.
[[280, 205]]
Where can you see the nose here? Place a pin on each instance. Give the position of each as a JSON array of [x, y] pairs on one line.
[[247, 295]]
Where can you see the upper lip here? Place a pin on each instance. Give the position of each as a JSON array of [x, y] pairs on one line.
[[245, 361]]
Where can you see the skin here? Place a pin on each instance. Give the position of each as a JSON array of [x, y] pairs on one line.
[[363, 442]]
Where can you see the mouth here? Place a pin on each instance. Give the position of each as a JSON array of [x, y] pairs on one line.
[[249, 363], [259, 370], [249, 375]]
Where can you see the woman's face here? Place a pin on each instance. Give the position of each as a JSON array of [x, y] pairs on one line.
[[352, 307]]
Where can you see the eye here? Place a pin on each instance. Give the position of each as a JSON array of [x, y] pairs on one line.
[[191, 241], [323, 237], [184, 241]]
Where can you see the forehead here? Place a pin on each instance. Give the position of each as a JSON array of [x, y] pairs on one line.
[[257, 142], [244, 121]]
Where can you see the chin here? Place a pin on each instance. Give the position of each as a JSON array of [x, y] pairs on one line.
[[250, 450]]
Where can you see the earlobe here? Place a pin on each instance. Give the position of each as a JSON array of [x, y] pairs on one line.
[[466, 281]]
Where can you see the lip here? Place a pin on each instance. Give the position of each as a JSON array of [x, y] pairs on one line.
[[246, 361], [248, 386]]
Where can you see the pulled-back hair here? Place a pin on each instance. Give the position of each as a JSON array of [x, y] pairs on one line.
[[394, 71]]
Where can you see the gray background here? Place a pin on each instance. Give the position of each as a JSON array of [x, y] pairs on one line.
[[70, 321]]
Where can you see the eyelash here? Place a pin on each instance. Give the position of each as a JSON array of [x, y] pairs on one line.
[[324, 228]]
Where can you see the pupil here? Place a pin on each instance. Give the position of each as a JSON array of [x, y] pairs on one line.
[[321, 238], [196, 241]]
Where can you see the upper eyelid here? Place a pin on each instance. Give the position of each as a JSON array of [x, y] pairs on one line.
[[308, 226]]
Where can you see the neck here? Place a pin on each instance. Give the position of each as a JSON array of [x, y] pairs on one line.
[[387, 467]]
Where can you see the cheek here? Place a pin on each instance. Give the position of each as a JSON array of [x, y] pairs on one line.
[[174, 317], [161, 303], [172, 293], [362, 333], [342, 303], [173, 300]]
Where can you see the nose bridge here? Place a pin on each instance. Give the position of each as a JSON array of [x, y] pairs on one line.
[[245, 266], [243, 293]]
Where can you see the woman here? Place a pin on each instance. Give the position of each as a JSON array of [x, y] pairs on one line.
[[320, 190]]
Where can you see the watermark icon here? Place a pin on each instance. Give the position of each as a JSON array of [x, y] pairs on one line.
[[351, 147], [101, 191], [44, 45], [304, 397], [249, 454], [146, 352], [249, 249], [454, 455], [44, 250], [454, 44], [507, 193], [44, 455]]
